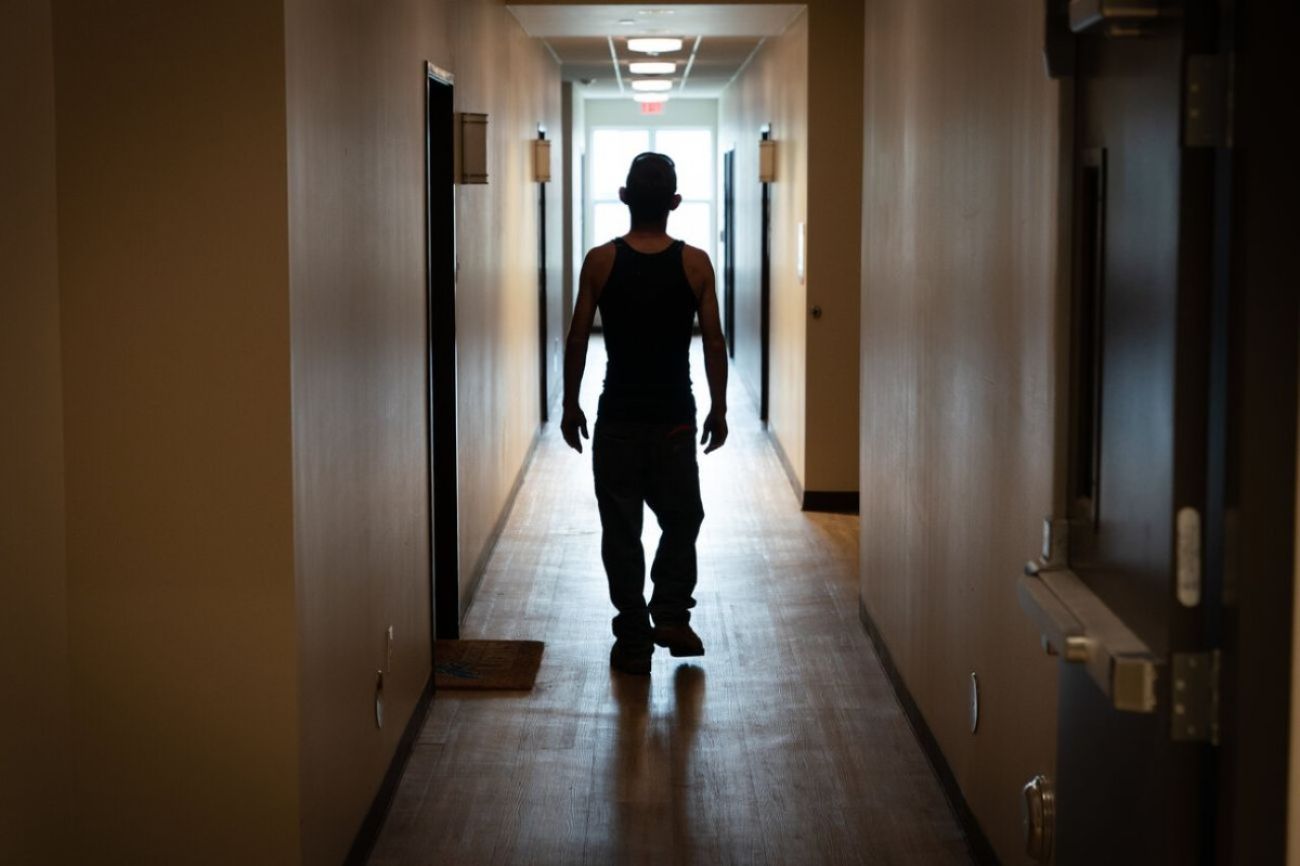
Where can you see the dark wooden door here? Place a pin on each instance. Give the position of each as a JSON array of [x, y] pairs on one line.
[[441, 289], [1131, 605], [729, 249], [543, 306], [765, 293]]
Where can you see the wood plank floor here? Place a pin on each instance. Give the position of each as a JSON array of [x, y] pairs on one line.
[[783, 745]]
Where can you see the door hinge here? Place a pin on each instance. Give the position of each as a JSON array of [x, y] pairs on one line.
[[1207, 102], [1195, 687]]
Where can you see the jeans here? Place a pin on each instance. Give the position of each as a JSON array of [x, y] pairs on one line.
[[635, 465]]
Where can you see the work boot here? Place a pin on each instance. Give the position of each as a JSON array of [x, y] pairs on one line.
[[680, 639], [630, 659]]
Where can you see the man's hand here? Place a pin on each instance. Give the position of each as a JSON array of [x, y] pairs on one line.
[[572, 422], [715, 431]]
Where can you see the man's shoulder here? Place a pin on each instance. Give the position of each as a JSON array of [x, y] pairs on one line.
[[598, 265], [698, 266], [601, 252], [695, 254]]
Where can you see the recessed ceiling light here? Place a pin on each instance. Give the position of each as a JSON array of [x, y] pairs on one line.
[[650, 97], [652, 67], [627, 22], [655, 11], [654, 46], [652, 84]]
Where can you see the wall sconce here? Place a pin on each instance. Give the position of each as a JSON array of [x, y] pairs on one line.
[[471, 150], [766, 161], [541, 160]]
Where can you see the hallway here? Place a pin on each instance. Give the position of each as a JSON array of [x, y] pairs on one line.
[[784, 744]]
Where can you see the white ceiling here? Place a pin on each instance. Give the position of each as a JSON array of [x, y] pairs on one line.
[[701, 20], [591, 41]]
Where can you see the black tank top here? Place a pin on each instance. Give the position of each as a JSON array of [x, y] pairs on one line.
[[647, 309]]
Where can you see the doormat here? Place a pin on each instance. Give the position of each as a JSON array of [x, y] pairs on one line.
[[486, 664]]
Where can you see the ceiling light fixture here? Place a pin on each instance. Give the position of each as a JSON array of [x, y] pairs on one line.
[[652, 85], [627, 22], [654, 45], [652, 67], [650, 97]]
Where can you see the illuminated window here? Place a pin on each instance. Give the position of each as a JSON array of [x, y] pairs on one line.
[[611, 152]]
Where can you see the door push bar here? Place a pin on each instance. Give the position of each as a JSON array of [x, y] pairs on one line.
[[1078, 626]]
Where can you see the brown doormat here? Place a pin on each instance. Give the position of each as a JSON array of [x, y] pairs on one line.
[[486, 664]]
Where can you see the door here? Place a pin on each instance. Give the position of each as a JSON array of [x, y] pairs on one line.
[[729, 249], [441, 304], [765, 291], [543, 308], [1123, 592]]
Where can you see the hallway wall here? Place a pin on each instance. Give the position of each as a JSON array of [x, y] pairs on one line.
[[773, 89], [834, 254], [216, 338], [356, 129], [173, 269], [357, 214], [959, 289], [515, 80], [807, 84], [33, 588]]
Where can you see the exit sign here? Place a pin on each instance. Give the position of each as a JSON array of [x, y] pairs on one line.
[[652, 107]]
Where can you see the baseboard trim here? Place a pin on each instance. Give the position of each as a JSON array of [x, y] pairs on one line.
[[785, 464], [833, 501], [980, 850], [364, 842], [480, 565]]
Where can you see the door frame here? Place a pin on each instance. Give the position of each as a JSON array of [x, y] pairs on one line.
[[440, 357]]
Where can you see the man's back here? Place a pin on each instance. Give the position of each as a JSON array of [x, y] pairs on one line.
[[648, 306]]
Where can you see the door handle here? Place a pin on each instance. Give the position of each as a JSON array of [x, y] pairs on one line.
[[1078, 625], [1115, 17]]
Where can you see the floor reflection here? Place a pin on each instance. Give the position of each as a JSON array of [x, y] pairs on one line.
[[651, 764]]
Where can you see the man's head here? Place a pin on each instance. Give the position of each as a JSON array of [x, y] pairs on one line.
[[651, 190]]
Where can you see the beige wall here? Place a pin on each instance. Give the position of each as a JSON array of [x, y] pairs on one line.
[[356, 132], [221, 362], [175, 314], [34, 728], [773, 89], [512, 78], [501, 71], [807, 84], [958, 309], [834, 252]]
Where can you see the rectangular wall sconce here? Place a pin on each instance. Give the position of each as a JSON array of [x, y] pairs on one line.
[[766, 160], [471, 148], [541, 160]]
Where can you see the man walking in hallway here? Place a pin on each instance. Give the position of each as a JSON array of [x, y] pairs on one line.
[[648, 289]]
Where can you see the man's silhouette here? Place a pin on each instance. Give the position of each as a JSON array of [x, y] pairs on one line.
[[648, 288]]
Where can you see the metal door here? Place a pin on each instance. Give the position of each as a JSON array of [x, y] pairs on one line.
[[1121, 591]]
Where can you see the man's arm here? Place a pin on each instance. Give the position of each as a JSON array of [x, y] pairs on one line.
[[595, 271], [715, 351]]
